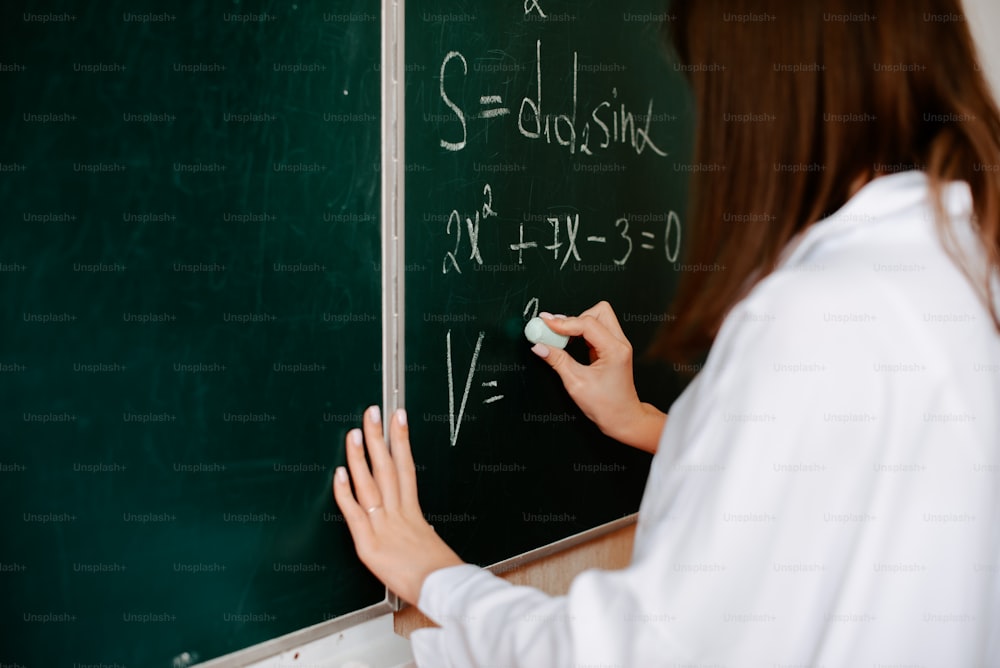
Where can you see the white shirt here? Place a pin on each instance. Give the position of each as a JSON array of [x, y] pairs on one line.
[[826, 491]]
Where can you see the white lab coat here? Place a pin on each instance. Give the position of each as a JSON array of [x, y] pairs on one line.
[[826, 491]]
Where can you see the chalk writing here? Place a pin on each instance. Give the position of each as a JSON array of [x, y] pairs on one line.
[[564, 231], [532, 308], [673, 223], [608, 123], [455, 419], [458, 145], [455, 422], [530, 5], [472, 225]]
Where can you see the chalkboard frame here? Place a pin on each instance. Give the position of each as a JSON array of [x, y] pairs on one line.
[[393, 215]]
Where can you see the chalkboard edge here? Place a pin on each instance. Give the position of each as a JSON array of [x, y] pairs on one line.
[[296, 639], [562, 544], [393, 210]]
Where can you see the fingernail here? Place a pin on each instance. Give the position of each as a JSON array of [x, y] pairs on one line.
[[401, 417], [545, 315], [559, 316], [341, 474], [375, 414], [541, 350], [356, 437]]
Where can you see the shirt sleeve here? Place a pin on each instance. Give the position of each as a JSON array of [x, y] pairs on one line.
[[487, 621], [471, 605]]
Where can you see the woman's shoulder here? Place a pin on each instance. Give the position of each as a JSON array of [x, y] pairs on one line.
[[878, 269]]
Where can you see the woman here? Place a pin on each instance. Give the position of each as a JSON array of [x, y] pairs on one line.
[[826, 490]]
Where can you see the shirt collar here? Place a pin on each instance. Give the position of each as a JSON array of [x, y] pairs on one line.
[[880, 198]]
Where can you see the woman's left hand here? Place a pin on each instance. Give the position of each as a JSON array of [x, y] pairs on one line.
[[390, 534]]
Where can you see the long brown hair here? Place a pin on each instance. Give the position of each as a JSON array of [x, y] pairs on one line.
[[797, 101]]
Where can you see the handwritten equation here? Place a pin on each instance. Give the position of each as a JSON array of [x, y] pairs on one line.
[[455, 418], [606, 124], [564, 238]]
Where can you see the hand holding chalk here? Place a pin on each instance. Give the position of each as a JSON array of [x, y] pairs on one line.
[[604, 390], [538, 332]]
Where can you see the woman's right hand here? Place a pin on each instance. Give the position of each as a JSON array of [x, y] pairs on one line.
[[605, 389]]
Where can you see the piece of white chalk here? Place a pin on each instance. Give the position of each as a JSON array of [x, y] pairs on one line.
[[538, 332]]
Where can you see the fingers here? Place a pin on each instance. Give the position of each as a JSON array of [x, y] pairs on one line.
[[601, 312], [406, 471], [569, 369], [602, 332], [594, 332], [365, 487], [391, 476], [605, 315], [383, 470], [354, 514]]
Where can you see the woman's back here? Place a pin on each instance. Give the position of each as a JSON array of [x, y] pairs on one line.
[[826, 491]]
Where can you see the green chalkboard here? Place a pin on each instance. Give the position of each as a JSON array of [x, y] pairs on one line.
[[188, 266], [547, 148], [190, 257]]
